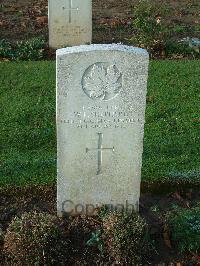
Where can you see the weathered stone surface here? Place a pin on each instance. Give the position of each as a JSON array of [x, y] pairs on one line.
[[70, 22], [101, 99]]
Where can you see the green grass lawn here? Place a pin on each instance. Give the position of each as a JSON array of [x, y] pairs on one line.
[[28, 127]]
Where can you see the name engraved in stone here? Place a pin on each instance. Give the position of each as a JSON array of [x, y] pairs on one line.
[[95, 117], [66, 30]]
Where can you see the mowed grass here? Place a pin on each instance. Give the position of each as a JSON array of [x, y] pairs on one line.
[[28, 125]]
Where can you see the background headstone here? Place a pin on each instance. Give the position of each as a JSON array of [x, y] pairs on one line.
[[70, 22], [101, 99]]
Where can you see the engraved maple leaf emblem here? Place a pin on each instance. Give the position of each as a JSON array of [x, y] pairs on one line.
[[102, 82]]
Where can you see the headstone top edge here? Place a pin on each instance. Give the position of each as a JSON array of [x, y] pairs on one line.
[[102, 47]]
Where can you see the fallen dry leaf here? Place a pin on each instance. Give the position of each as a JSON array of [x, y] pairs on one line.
[[178, 197], [42, 20], [166, 237], [5, 59], [196, 258], [23, 24]]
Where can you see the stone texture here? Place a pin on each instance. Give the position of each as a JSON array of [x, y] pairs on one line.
[[101, 99], [70, 22]]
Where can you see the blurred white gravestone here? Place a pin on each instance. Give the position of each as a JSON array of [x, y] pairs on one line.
[[70, 22], [101, 100]]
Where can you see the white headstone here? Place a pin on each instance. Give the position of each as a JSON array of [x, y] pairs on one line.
[[70, 22], [101, 99]]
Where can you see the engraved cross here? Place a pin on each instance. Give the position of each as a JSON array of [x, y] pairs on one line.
[[100, 150], [70, 9]]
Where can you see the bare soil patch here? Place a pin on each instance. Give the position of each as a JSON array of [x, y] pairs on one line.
[[15, 201], [24, 19]]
